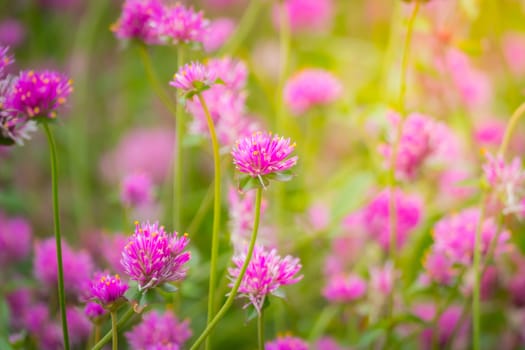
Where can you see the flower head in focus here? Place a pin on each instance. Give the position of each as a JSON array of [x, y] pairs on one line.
[[193, 78], [141, 20], [108, 290]]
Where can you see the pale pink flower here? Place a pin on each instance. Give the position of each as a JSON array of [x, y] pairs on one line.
[[218, 32], [341, 288], [306, 15]]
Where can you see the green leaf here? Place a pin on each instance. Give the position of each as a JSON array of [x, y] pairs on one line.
[[282, 176], [169, 288], [133, 293]]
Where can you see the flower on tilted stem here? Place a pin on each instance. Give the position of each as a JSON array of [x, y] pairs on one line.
[[141, 20], [193, 78], [107, 290], [183, 25], [341, 288], [136, 190], [265, 273], [156, 329], [152, 256], [310, 88], [287, 342], [264, 157]]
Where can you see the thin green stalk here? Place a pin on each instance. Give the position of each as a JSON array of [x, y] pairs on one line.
[[229, 301], [216, 213], [125, 318], [114, 330], [97, 333], [178, 155], [511, 126], [260, 330], [322, 322], [243, 30], [58, 239]]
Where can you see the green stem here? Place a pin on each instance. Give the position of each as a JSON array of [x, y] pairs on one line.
[[178, 161], [228, 303], [114, 330], [216, 213], [511, 126], [245, 25], [58, 239], [125, 318], [260, 330]]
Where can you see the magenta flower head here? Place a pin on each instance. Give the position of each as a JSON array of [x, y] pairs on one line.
[[141, 20], [38, 94], [287, 343], [152, 256], [193, 78], [159, 329], [344, 289], [15, 239], [136, 190], [94, 311], [108, 290], [305, 15], [311, 88], [266, 272], [263, 157], [183, 25]]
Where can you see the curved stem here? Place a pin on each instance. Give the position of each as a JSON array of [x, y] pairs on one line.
[[125, 318], [235, 288], [216, 213], [58, 239], [511, 126], [114, 330], [178, 159], [260, 330]]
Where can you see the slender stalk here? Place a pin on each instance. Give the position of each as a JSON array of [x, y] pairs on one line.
[[511, 126], [229, 301], [201, 212], [260, 330], [216, 213], [97, 333], [243, 30], [125, 318], [114, 330], [178, 161], [58, 239]]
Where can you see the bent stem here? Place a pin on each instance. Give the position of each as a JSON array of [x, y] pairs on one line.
[[114, 330], [58, 239], [229, 301], [178, 161], [125, 318], [260, 330], [511, 126], [216, 213]]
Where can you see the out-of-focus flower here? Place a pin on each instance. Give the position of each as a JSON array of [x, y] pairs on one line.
[[382, 278], [136, 190], [78, 266], [141, 20], [15, 239], [19, 303], [489, 133], [287, 343], [12, 32], [183, 25], [342, 288], [107, 289], [39, 324], [78, 325], [266, 272], [217, 33], [514, 51], [152, 256], [306, 15], [327, 343], [111, 249], [446, 324], [157, 329], [94, 311], [193, 78], [318, 217], [310, 88]]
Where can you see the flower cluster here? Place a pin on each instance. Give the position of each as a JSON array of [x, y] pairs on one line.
[[152, 256], [266, 272], [107, 289], [193, 78]]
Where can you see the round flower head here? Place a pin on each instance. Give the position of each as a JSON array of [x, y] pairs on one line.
[[287, 343], [181, 24], [344, 289], [193, 78], [141, 20], [264, 156], [107, 289], [94, 310], [266, 272], [38, 94], [310, 88], [152, 256], [136, 190]]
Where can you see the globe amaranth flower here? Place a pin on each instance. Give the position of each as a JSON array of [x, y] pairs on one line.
[[136, 190], [217, 33], [310, 88], [265, 273], [287, 343], [107, 290], [15, 239], [141, 20], [193, 78], [94, 311], [341, 288], [264, 156], [159, 329], [183, 25], [152, 256]]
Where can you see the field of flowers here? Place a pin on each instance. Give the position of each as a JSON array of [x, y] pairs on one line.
[[262, 174]]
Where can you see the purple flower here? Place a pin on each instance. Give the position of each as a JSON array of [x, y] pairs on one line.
[[38, 94], [152, 256], [12, 32], [107, 289], [159, 329], [446, 324], [263, 154], [193, 78], [287, 343], [311, 88], [141, 20], [94, 310], [183, 25], [78, 325], [217, 33], [136, 190], [266, 272], [15, 239], [341, 288], [19, 302]]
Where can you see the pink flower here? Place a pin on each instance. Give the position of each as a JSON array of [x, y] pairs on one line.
[[156, 329], [311, 88], [446, 324], [306, 15], [219, 31], [183, 25], [266, 272], [490, 132], [514, 51], [141, 20], [12, 32], [382, 278], [287, 343], [15, 239], [94, 310], [193, 78], [107, 289], [342, 288], [136, 190], [152, 256], [78, 325]]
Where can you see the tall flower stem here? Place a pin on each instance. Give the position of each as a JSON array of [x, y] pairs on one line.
[[216, 213], [178, 161], [260, 329], [114, 330], [511, 126], [125, 318], [229, 301], [58, 239]]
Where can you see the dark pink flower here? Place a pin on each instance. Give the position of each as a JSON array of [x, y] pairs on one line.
[[183, 25], [136, 190], [94, 310], [107, 289], [141, 20], [342, 288], [287, 343], [193, 78], [15, 239]]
